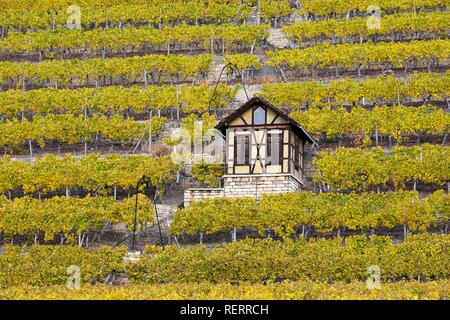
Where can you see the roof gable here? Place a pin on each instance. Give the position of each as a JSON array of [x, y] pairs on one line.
[[225, 123]]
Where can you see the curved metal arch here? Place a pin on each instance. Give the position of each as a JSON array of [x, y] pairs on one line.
[[233, 67]]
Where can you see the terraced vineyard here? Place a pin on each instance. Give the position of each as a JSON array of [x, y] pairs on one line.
[[93, 95]]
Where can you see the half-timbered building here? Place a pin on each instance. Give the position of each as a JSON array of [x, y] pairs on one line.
[[263, 152]]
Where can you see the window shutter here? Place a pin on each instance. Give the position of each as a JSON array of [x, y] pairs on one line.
[[247, 149]]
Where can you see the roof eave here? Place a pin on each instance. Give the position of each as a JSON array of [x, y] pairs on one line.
[[223, 124]]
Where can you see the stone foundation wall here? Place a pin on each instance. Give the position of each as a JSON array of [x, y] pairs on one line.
[[198, 194], [246, 186], [294, 185], [256, 186]]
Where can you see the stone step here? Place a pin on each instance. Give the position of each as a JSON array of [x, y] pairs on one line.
[[296, 17], [216, 69], [278, 39], [241, 97]]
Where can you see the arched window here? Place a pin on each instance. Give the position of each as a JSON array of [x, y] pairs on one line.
[[259, 116]]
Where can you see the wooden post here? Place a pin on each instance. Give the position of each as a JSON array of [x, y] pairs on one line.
[[258, 13], [145, 77], [150, 133], [178, 104], [30, 147], [212, 45], [176, 241]]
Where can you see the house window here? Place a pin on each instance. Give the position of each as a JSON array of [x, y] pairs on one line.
[[259, 116], [242, 149], [274, 148]]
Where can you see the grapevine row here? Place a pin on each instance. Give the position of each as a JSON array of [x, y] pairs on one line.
[[326, 7], [398, 122], [388, 89], [366, 55], [360, 169], [319, 260], [325, 212], [71, 129], [47, 265], [157, 13], [243, 61], [313, 6], [51, 173], [393, 26], [379, 90], [115, 99], [77, 72], [58, 5], [68, 216], [58, 42], [118, 15], [287, 290]]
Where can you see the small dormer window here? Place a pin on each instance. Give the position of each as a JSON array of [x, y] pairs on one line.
[[259, 116]]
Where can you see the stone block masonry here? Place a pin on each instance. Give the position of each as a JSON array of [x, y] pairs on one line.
[[199, 194], [257, 185], [238, 186]]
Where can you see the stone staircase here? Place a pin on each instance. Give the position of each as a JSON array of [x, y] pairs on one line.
[[165, 214], [296, 17], [241, 98], [214, 72], [278, 40]]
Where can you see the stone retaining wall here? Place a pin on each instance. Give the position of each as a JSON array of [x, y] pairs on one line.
[[198, 194]]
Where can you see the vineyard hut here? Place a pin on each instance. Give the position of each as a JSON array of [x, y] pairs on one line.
[[264, 153]]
